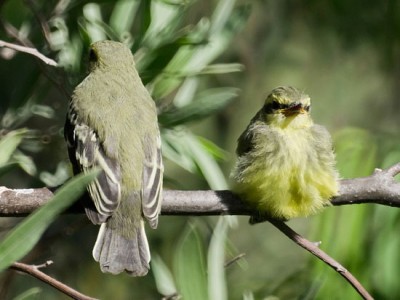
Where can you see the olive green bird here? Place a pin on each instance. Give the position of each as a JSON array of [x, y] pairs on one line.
[[285, 166], [112, 124]]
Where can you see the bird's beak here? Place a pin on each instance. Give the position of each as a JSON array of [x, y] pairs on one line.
[[294, 109]]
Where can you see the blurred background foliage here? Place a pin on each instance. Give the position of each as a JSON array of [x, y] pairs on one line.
[[209, 65]]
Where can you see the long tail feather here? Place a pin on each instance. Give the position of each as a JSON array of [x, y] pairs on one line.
[[116, 253]]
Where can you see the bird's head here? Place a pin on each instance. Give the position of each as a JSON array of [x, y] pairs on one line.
[[287, 107], [109, 54]]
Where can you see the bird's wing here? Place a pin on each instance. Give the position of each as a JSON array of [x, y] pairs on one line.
[[152, 179], [246, 140], [86, 152], [245, 143]]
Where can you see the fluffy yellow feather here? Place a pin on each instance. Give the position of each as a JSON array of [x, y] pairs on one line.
[[286, 165]]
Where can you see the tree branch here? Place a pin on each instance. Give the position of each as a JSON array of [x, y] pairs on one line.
[[313, 249], [35, 272], [379, 188]]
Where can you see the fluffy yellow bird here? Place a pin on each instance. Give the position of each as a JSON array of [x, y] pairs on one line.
[[286, 164]]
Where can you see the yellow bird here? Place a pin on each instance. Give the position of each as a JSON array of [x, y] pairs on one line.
[[286, 164]]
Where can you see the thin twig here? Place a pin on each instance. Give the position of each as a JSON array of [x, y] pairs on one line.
[[31, 51], [313, 249], [13, 32], [35, 272], [393, 170], [235, 259]]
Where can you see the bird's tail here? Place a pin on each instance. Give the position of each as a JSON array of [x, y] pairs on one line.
[[116, 253]]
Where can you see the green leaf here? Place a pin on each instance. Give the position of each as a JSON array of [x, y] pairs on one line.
[[92, 13], [177, 2], [206, 164], [164, 17], [190, 270], [25, 162], [186, 92], [123, 15], [175, 149], [216, 261], [24, 237], [155, 62], [218, 41], [213, 149], [163, 277], [192, 60], [59, 177], [204, 104], [221, 15], [144, 11], [172, 74], [44, 111], [222, 69], [32, 293], [186, 150], [9, 143]]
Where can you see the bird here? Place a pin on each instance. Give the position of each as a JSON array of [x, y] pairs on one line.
[[112, 125], [285, 165]]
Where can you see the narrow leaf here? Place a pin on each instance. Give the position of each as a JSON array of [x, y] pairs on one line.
[[190, 267], [216, 261], [222, 68], [175, 149], [207, 164], [25, 162], [163, 277], [203, 105], [92, 13], [9, 143], [123, 15], [24, 237]]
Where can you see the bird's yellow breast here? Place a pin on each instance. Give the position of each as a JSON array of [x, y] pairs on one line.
[[286, 176]]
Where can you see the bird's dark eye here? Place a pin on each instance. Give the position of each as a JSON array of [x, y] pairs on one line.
[[276, 105], [307, 108], [92, 56], [273, 106]]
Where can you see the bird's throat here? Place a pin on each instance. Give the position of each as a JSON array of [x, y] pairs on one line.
[[294, 121]]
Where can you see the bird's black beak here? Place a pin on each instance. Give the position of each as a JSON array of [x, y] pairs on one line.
[[294, 109]]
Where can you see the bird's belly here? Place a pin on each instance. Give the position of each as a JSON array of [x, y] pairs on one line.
[[289, 182]]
